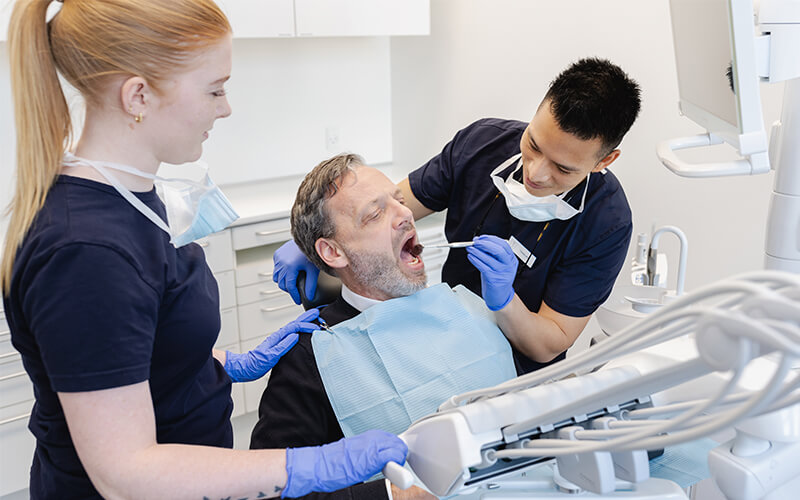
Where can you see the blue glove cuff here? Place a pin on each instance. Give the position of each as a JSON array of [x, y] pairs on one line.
[[300, 477], [233, 366], [495, 307]]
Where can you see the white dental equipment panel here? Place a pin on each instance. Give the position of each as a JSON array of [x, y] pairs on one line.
[[719, 356]]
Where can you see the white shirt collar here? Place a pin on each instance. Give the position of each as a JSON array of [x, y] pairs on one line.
[[358, 301]]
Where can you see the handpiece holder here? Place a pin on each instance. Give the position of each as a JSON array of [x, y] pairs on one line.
[[757, 163], [399, 476]]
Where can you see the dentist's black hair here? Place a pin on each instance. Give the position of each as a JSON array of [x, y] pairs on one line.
[[594, 98]]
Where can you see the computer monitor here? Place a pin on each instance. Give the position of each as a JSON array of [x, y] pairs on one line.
[[717, 70]]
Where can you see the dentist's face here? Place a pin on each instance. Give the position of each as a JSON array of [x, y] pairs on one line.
[[554, 161], [376, 233]]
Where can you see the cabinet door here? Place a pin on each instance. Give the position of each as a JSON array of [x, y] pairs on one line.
[[362, 17], [260, 18], [5, 15], [218, 249], [17, 448], [253, 390]]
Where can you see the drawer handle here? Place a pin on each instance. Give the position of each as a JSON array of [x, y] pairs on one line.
[[269, 293], [265, 274], [5, 334], [203, 244], [273, 309], [270, 233], [13, 375], [14, 419], [9, 355]]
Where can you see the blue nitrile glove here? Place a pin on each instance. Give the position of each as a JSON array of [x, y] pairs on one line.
[[254, 364], [288, 261], [346, 462], [498, 266]]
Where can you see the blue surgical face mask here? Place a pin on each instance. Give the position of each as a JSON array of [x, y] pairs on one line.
[[525, 206], [194, 209]]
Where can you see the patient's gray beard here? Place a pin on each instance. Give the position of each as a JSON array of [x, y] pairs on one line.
[[380, 272]]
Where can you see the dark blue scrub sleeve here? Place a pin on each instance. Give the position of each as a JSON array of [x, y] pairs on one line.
[[92, 318]]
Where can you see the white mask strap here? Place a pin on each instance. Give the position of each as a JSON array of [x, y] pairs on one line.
[[133, 200], [72, 160], [586, 190], [507, 163]]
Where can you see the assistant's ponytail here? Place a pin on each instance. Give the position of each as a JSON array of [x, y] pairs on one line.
[[41, 119]]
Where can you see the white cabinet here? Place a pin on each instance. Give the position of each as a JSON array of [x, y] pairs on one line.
[[260, 18], [253, 390], [17, 447], [305, 18], [362, 17], [5, 16], [16, 400], [289, 18]]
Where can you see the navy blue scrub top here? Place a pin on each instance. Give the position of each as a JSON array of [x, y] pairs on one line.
[[577, 260], [99, 299]]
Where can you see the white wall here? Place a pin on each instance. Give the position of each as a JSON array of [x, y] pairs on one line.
[[286, 93], [496, 58]]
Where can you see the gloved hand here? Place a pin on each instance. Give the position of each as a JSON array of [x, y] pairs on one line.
[[254, 364], [344, 463], [498, 266], [288, 261]]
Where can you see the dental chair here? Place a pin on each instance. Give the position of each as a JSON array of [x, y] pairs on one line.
[[328, 289]]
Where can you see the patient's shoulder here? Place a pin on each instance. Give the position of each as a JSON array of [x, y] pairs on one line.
[[299, 356]]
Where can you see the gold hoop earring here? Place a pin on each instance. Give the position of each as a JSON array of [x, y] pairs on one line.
[[138, 118]]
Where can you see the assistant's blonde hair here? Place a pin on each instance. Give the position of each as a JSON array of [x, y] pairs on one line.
[[87, 42]]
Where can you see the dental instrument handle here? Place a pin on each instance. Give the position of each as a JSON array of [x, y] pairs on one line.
[[399, 476], [455, 244]]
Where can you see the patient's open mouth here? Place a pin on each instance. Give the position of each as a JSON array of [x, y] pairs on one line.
[[411, 250]]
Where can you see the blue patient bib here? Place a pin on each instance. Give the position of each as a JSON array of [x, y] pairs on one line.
[[399, 360]]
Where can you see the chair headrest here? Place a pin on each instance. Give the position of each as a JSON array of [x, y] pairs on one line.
[[328, 289]]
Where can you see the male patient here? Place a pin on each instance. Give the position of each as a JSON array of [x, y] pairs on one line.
[[351, 221]]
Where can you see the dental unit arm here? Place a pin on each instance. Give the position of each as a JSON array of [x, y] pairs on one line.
[[707, 36], [710, 347]]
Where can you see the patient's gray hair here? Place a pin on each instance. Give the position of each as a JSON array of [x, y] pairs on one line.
[[310, 218]]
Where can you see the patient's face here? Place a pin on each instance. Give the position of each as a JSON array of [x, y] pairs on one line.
[[376, 232]]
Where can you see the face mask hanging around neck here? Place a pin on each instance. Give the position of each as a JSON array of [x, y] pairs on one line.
[[194, 209], [527, 207]]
